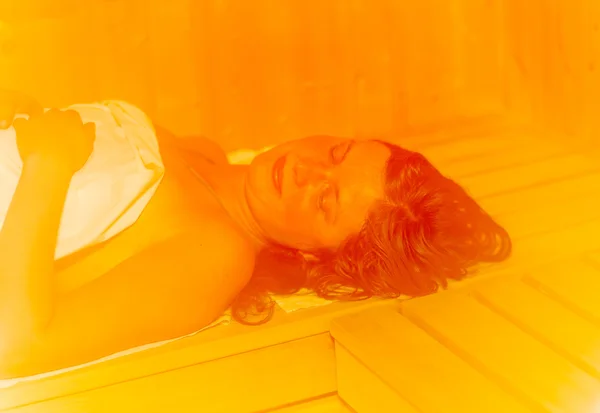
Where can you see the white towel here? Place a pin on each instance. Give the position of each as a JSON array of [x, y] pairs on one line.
[[110, 192]]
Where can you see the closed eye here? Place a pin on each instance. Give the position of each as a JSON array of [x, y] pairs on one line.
[[340, 151], [327, 200]]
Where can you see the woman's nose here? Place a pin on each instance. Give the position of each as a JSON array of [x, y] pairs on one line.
[[308, 172]]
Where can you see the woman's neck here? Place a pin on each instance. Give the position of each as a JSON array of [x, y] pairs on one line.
[[228, 184]]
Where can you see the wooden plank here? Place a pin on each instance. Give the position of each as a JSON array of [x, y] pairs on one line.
[[328, 404], [540, 250], [542, 194], [250, 382], [363, 390], [461, 166], [472, 155], [573, 283], [174, 73], [465, 129], [416, 366], [444, 152], [572, 337], [519, 363], [523, 176], [593, 258], [479, 146], [551, 216]]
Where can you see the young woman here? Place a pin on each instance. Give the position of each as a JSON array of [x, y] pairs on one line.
[[87, 271]]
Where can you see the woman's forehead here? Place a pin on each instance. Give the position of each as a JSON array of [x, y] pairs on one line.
[[361, 180]]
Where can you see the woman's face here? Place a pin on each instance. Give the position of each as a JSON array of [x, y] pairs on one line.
[[314, 193]]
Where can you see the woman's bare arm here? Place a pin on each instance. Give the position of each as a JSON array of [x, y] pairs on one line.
[[171, 289], [168, 290], [27, 245]]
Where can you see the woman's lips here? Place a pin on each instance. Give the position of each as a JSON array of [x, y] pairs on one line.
[[277, 175]]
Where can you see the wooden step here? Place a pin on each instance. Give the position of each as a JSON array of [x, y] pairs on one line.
[[403, 360], [512, 359], [529, 341], [327, 404], [363, 390]]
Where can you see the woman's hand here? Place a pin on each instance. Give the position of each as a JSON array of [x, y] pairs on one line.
[[57, 136], [13, 103]]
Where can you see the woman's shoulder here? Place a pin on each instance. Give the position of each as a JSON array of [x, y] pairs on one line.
[[185, 210], [192, 146], [203, 247], [221, 245]]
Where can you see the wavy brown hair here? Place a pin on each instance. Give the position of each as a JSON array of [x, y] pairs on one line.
[[425, 231]]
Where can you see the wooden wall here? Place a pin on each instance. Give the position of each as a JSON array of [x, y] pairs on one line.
[[553, 60], [251, 73]]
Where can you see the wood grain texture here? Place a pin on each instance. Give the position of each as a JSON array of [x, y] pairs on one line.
[[249, 74]]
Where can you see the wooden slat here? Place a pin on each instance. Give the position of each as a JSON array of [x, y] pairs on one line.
[[468, 147], [543, 194], [470, 155], [416, 366], [175, 97], [541, 249], [250, 382], [551, 216], [572, 337], [593, 258], [463, 167], [465, 129], [496, 182], [363, 390], [489, 146], [328, 404], [539, 377], [573, 283]]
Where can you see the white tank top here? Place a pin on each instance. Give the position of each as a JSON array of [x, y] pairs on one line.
[[110, 192]]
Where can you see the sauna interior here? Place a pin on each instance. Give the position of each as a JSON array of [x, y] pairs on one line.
[[501, 95]]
